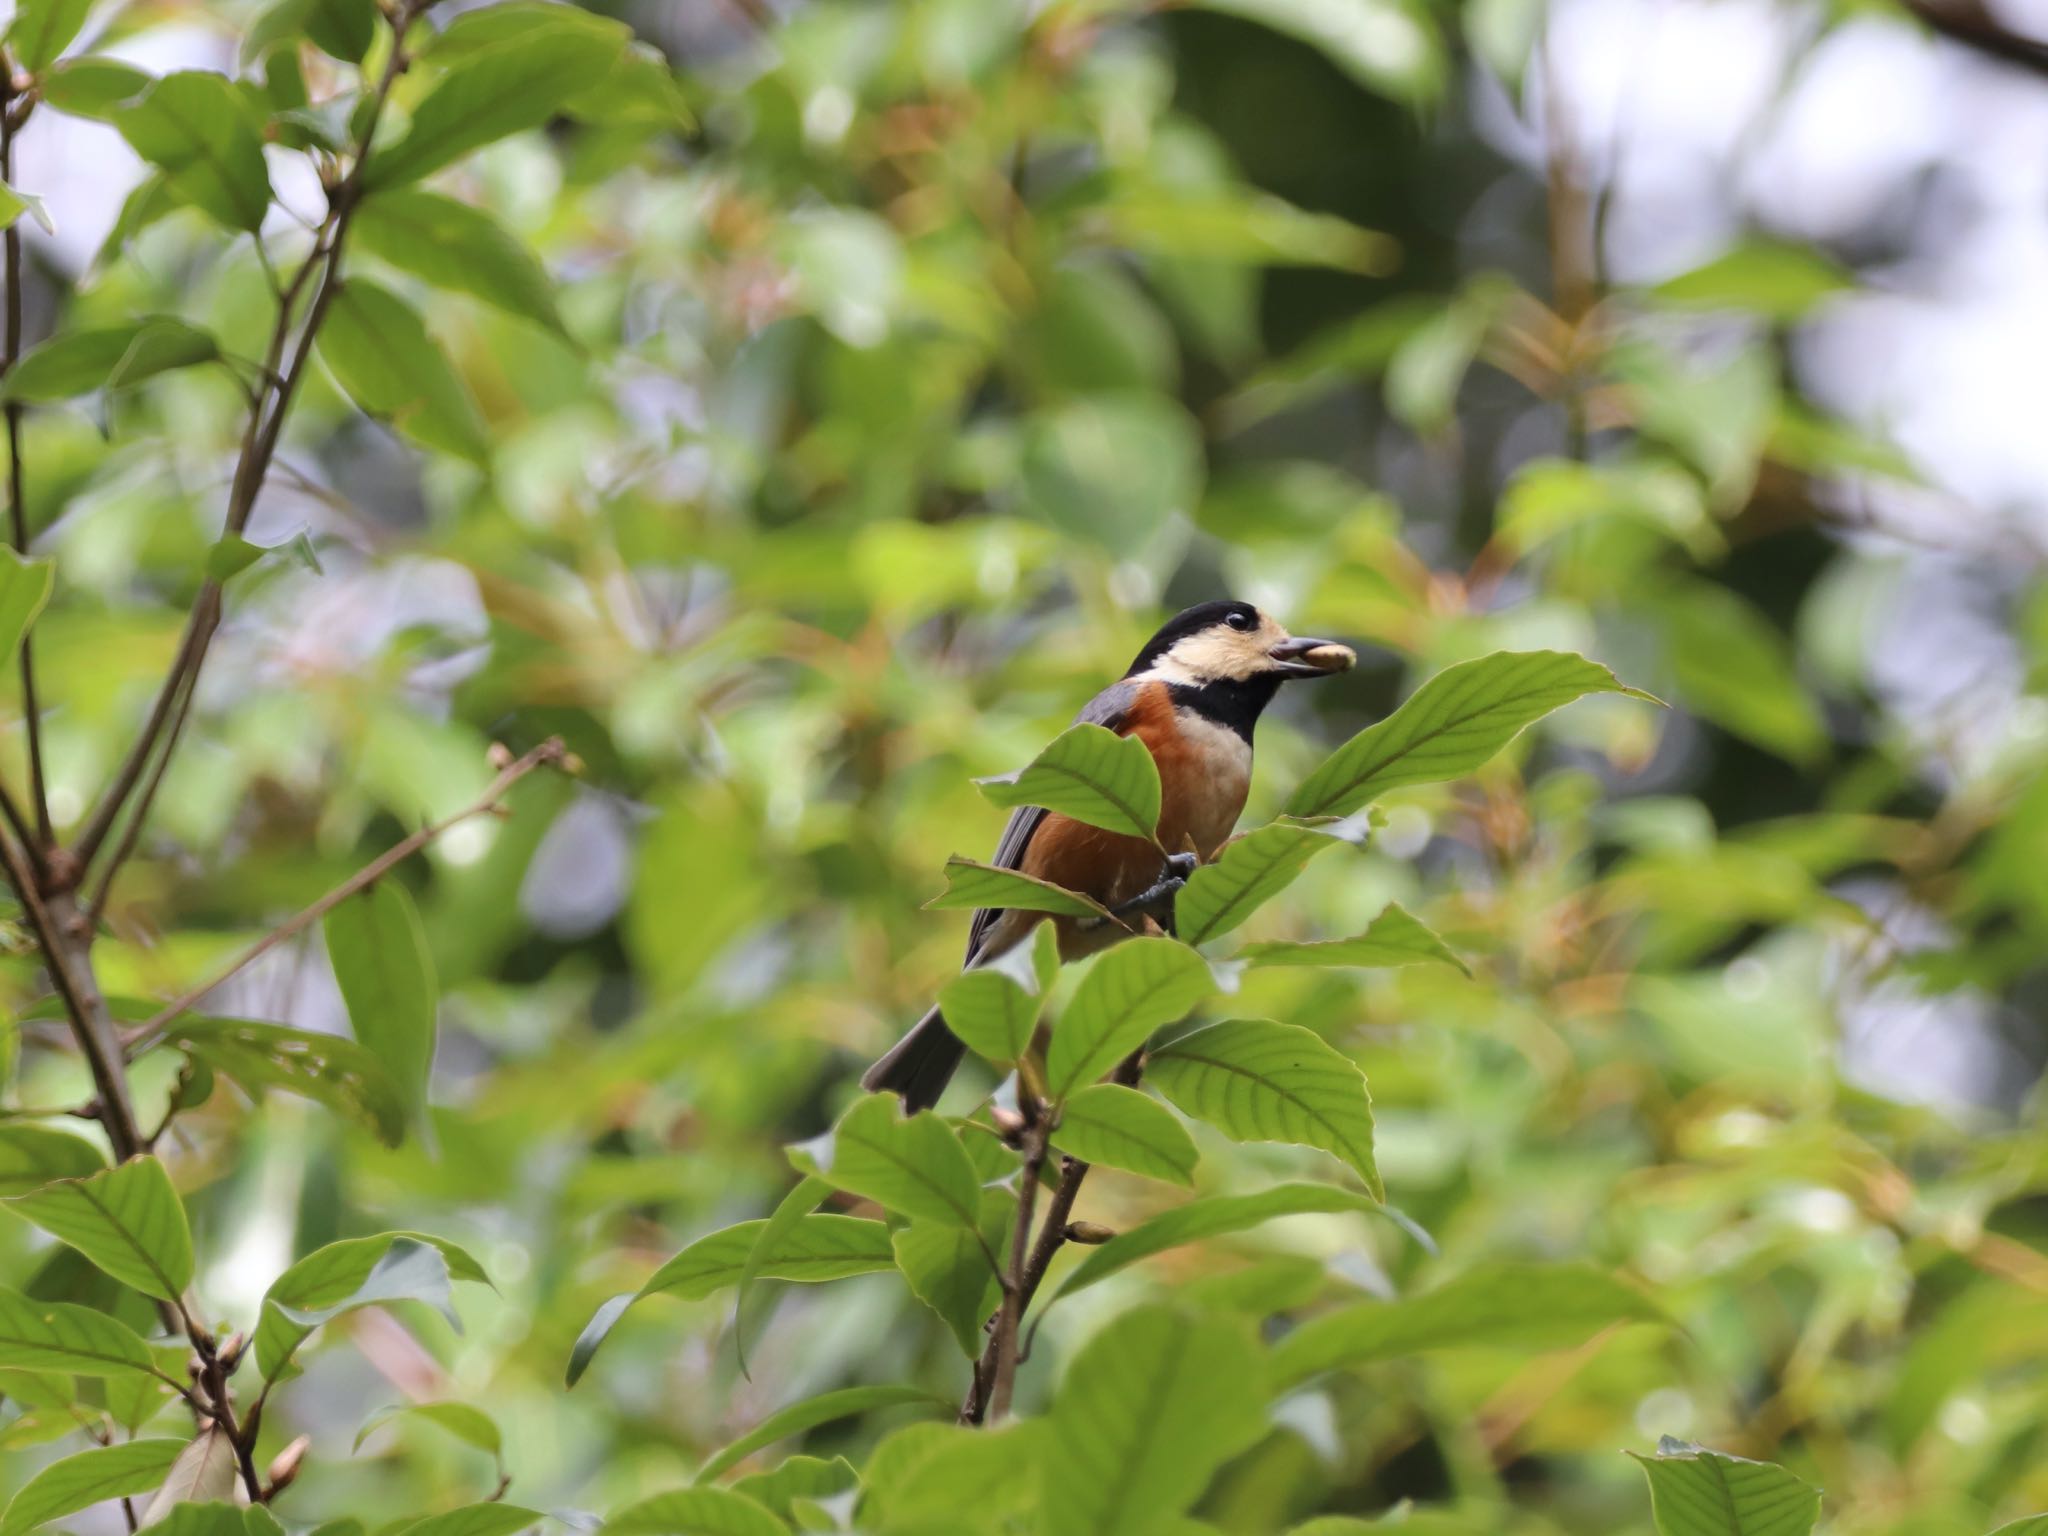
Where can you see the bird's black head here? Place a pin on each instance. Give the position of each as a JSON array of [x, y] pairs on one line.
[[1227, 659]]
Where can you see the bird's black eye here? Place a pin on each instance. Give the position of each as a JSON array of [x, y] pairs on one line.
[[1239, 620]]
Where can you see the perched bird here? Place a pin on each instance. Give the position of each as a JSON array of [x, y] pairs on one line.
[[1193, 696]]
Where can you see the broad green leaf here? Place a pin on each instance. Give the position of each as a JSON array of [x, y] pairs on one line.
[[23, 590], [472, 1426], [1247, 228], [1532, 1306], [1759, 277], [34, 1155], [1449, 726], [383, 357], [495, 91], [386, 976], [453, 245], [56, 1336], [217, 1519], [81, 1481], [1392, 938], [1213, 1216], [1386, 45], [1549, 498], [230, 556], [696, 1512], [1089, 774], [949, 1477], [1428, 368], [14, 203], [93, 87], [1130, 991], [127, 1220], [204, 1472], [969, 884], [1730, 664], [1112, 469], [911, 1164], [1148, 1410], [340, 28], [42, 29], [990, 1012], [788, 1215], [113, 357], [356, 1272], [809, 1414], [1120, 1127], [798, 1477], [1249, 872], [329, 1069], [199, 131], [594, 1333], [948, 1266], [1255, 1080], [1698, 1492], [491, 1519]]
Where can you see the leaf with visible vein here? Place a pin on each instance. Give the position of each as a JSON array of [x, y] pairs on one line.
[[1393, 938], [57, 1336], [1129, 992], [1697, 1492], [971, 884], [1249, 872], [1120, 1127], [127, 1220], [197, 128], [1089, 774], [81, 1481], [1450, 725], [34, 1155], [911, 1164], [844, 1403]]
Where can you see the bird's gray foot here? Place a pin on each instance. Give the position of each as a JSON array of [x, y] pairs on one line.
[[1156, 900]]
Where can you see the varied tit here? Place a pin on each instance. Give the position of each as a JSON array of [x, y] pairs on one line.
[[1193, 696]]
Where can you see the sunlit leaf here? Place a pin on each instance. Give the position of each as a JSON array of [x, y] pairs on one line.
[[1259, 1081], [798, 1477], [1524, 1306], [1250, 871], [34, 1155], [1450, 725], [949, 1476], [912, 1164], [1130, 991], [1392, 938], [329, 1069], [1120, 1127], [42, 29], [990, 1012], [216, 1519], [1089, 774], [1759, 277], [697, 1512], [1697, 1492], [969, 884], [85, 1479], [471, 1425], [948, 1267], [56, 1336], [1144, 1415], [356, 1272], [93, 87], [491, 1519], [127, 1220]]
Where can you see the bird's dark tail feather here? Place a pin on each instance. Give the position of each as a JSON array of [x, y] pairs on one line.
[[919, 1065]]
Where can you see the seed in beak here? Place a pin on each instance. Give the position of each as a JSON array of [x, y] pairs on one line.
[[1312, 658]]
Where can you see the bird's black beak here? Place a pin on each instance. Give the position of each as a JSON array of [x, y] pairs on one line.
[[1303, 657]]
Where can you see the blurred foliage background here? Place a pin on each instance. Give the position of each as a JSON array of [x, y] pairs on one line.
[[893, 392]]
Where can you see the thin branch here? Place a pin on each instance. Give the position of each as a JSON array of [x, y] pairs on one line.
[[132, 832], [17, 509], [259, 439], [548, 752]]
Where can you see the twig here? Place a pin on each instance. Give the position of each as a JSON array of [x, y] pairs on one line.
[[132, 832], [17, 509], [550, 751]]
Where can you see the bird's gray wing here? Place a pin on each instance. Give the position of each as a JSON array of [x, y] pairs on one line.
[[1106, 709]]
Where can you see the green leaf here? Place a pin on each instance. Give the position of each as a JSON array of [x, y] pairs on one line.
[[127, 1220], [199, 130], [454, 246], [501, 89], [34, 1155], [1119, 1127], [379, 953], [913, 1165], [1255, 1080], [112, 357], [1246, 228], [809, 1414], [1520, 1306], [1731, 665], [216, 1520], [1130, 991], [14, 203], [1697, 1492], [1760, 277], [799, 1477], [490, 1519], [1089, 774], [472, 1426], [949, 1477], [55, 1336], [383, 357], [230, 556], [969, 884], [1112, 469], [93, 87], [1148, 1410], [81, 1481], [204, 1471], [788, 1215], [1212, 1216], [356, 1272], [1392, 938], [1385, 45], [948, 1266], [1249, 872], [990, 1012], [328, 1069], [1449, 726], [1549, 498], [342, 29], [42, 29], [24, 588], [696, 1512], [2033, 1525]]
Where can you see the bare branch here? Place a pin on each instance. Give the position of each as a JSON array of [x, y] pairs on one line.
[[17, 510]]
